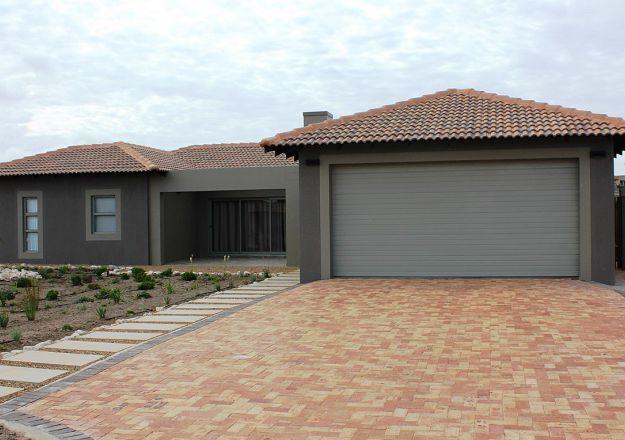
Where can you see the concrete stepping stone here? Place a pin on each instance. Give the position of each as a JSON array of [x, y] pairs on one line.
[[55, 358], [105, 347], [187, 312], [147, 326], [121, 336], [235, 296], [208, 304], [28, 374], [7, 391], [214, 299], [187, 319]]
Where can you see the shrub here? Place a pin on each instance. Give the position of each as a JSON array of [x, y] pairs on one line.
[[115, 295], [100, 270], [166, 298], [143, 295], [63, 269], [23, 282], [45, 273], [167, 273], [52, 295], [115, 281], [130, 312], [84, 299], [67, 328], [16, 334], [31, 302], [80, 269], [87, 279], [138, 274], [102, 294], [266, 273], [101, 311], [93, 286], [124, 276], [76, 280], [147, 284], [188, 276], [6, 295], [213, 279], [169, 288], [4, 319]]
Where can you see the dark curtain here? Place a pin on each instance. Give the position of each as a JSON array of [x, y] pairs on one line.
[[226, 226], [278, 226], [255, 226]]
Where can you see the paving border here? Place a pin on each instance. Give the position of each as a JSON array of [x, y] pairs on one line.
[[38, 428]]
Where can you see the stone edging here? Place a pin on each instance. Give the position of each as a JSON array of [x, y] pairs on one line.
[[38, 428]]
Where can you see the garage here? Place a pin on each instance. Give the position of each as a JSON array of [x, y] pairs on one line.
[[456, 219]]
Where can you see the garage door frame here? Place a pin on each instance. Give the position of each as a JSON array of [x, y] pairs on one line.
[[326, 162]]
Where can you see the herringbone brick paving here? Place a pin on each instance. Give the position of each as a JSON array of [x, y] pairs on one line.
[[515, 359]]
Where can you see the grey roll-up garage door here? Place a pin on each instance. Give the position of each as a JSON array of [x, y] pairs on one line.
[[465, 219]]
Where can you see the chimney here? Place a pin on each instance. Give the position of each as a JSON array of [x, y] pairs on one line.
[[315, 117]]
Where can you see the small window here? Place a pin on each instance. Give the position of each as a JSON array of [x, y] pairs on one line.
[[103, 214], [31, 224], [30, 220]]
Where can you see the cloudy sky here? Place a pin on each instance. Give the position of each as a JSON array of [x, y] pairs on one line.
[[175, 73]]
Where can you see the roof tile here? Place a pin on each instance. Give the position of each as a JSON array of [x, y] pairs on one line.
[[450, 114]]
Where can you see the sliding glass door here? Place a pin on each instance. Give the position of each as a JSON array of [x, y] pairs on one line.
[[254, 226]]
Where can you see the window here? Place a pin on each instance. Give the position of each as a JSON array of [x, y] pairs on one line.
[[29, 214], [253, 226], [103, 214]]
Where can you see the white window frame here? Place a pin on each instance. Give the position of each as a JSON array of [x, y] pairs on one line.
[[22, 253], [90, 194]]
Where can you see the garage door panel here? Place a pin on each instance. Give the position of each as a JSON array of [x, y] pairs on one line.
[[515, 218]]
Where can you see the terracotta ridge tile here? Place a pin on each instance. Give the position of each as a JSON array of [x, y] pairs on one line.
[[129, 150]]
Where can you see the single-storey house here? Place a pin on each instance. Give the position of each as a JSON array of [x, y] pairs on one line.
[[119, 203], [459, 183]]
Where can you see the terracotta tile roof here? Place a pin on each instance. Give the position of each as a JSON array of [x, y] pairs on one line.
[[450, 114], [229, 156], [121, 157]]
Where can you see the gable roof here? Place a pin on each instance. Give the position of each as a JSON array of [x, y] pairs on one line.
[[121, 157], [450, 114]]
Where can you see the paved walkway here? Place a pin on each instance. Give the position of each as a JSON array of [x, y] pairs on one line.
[[513, 359]]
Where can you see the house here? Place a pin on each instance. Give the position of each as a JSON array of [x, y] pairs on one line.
[[459, 183], [619, 182], [120, 203]]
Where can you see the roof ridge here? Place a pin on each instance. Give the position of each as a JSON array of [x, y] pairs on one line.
[[223, 144], [50, 152], [136, 155], [597, 117]]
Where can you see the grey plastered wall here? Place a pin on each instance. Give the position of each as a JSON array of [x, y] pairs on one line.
[[597, 239], [63, 208], [225, 179]]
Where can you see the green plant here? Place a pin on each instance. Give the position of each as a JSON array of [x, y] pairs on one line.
[[67, 328], [52, 295], [84, 299], [45, 273], [266, 273], [167, 273], [143, 295], [100, 270], [63, 269], [93, 286], [169, 288], [102, 294], [130, 312], [82, 307], [101, 311], [115, 295], [213, 279], [115, 281], [4, 319], [16, 334], [166, 298], [76, 280], [188, 276], [124, 276], [138, 274], [6, 295], [23, 282], [31, 302], [147, 284], [80, 269]]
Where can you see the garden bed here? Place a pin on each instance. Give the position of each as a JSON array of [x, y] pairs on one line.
[[83, 297]]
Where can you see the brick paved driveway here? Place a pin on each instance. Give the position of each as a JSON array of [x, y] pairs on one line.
[[372, 358]]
